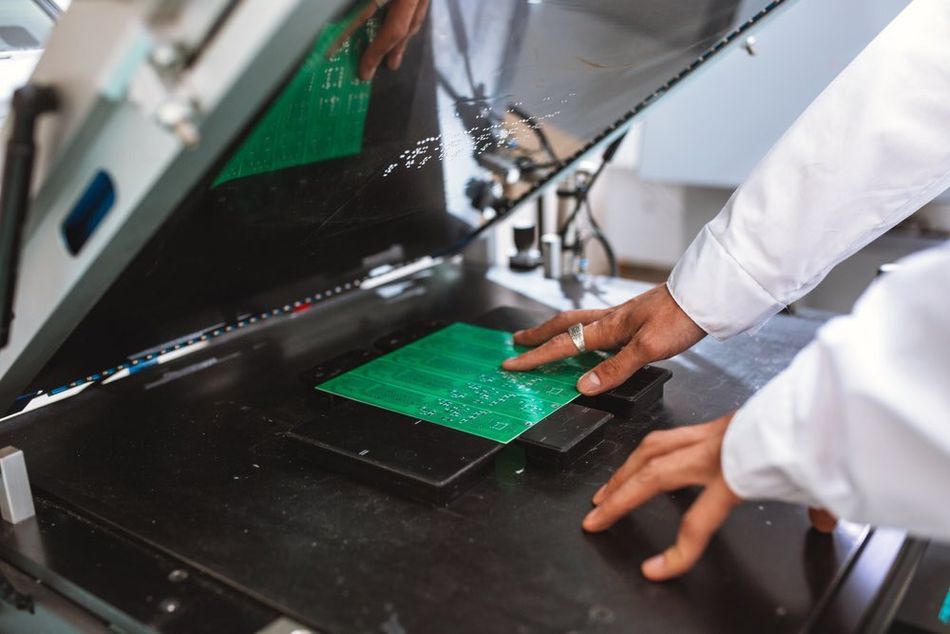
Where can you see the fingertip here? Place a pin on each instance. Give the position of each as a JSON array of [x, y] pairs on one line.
[[521, 338], [591, 523], [510, 364], [822, 521], [654, 568], [367, 71], [597, 520], [600, 495], [589, 384]]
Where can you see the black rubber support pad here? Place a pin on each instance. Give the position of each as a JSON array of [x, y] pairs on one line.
[[637, 394], [408, 334], [400, 454], [564, 436], [336, 366]]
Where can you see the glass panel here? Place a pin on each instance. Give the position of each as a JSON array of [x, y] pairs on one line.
[[488, 93], [340, 176]]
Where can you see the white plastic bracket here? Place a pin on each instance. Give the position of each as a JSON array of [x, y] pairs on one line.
[[16, 501]]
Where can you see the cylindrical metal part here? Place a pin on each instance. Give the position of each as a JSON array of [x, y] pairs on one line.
[[551, 255]]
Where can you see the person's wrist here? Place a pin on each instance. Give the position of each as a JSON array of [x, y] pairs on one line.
[[682, 314], [677, 320]]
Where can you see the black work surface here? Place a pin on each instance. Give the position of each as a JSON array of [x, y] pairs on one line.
[[188, 457]]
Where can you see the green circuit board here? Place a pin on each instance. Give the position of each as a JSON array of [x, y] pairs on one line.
[[453, 377], [319, 115]]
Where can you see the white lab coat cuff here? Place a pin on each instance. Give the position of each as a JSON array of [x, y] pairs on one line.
[[758, 451], [717, 292]]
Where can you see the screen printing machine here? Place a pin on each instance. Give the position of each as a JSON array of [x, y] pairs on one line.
[[206, 215]]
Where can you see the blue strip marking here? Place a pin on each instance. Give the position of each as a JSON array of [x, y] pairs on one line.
[[944, 615], [91, 208], [138, 367], [149, 362]]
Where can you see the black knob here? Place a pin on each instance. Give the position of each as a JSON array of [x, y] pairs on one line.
[[524, 237]]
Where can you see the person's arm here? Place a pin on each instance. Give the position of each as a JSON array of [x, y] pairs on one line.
[[404, 18], [869, 151], [872, 149], [860, 422]]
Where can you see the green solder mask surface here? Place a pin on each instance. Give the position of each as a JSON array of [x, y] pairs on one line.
[[453, 378], [320, 115]]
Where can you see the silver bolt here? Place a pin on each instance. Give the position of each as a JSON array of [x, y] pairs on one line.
[[166, 56], [179, 116], [749, 45]]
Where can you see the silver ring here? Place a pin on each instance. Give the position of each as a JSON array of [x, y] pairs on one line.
[[577, 336], [381, 3]]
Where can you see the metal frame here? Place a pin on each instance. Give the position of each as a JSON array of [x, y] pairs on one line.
[[55, 549], [50, 8], [869, 589], [117, 90]]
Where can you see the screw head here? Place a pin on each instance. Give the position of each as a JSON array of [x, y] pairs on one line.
[[749, 45], [166, 56]]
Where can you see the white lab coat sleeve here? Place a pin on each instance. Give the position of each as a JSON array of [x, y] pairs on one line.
[[869, 151], [859, 423]]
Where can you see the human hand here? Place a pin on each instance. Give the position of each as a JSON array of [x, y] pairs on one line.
[[403, 20], [822, 521], [647, 328], [666, 461]]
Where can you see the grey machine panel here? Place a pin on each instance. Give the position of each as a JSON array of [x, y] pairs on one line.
[[153, 130]]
